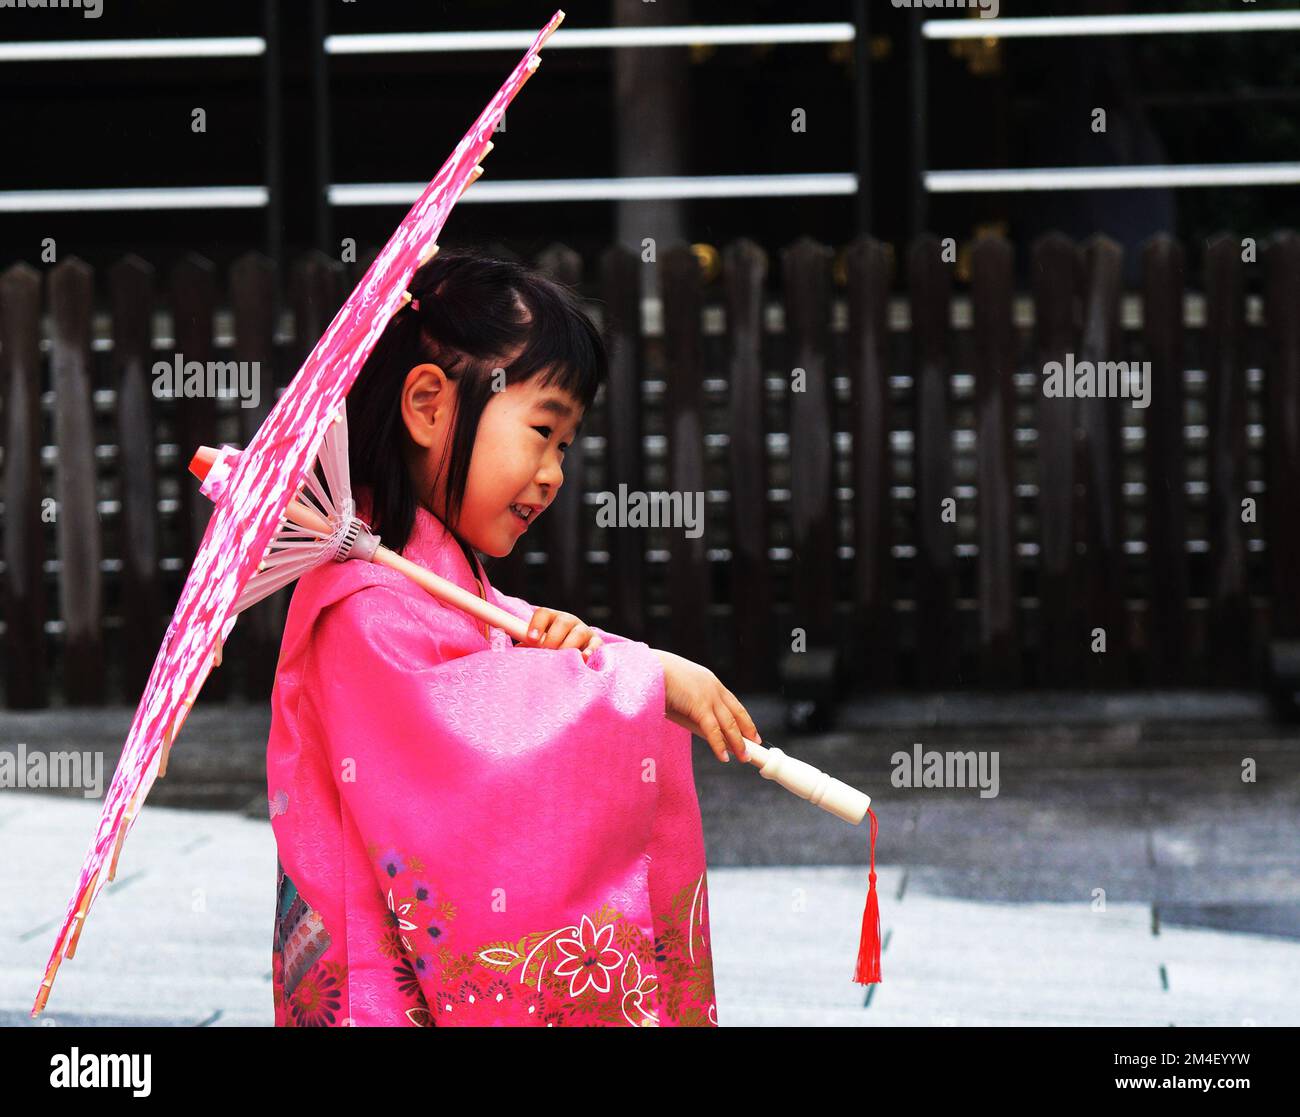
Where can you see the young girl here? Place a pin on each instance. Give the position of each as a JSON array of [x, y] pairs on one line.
[[472, 831]]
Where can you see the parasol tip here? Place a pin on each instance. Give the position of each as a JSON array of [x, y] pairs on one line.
[[202, 461]]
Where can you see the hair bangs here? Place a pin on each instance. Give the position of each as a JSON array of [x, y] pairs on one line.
[[563, 348]]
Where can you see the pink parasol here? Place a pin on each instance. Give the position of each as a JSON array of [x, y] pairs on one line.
[[265, 479]]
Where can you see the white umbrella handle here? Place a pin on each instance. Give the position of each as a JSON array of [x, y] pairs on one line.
[[809, 783]]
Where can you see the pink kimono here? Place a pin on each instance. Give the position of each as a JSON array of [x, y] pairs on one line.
[[471, 832]]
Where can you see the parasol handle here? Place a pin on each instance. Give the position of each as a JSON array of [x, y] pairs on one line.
[[452, 594], [809, 782]]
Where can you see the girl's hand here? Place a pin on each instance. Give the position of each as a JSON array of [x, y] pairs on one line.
[[697, 700], [550, 628]]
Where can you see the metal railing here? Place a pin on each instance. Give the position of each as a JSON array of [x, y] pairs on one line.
[[1160, 176]]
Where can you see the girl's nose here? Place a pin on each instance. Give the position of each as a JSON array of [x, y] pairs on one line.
[[551, 472]]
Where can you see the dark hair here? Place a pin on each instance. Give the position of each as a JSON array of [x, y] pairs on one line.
[[474, 311]]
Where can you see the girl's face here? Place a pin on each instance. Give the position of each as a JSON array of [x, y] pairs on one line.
[[517, 461]]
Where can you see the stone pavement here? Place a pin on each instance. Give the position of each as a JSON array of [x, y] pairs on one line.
[[991, 907]]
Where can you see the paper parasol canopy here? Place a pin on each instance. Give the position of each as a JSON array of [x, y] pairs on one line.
[[269, 473]]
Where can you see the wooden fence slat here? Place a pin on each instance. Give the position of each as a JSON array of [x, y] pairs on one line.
[[25, 649], [131, 293], [1060, 633], [1225, 394], [1282, 503], [744, 266], [806, 276], [690, 582], [315, 295], [938, 629], [1163, 283], [193, 302], [1099, 466], [995, 399], [255, 641], [71, 297], [316, 283], [621, 287], [253, 300], [869, 264]]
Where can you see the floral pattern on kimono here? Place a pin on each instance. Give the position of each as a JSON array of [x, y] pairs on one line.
[[601, 970]]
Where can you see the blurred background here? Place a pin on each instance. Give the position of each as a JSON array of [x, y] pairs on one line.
[[831, 251]]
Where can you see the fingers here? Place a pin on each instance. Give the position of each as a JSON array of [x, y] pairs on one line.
[[549, 627], [727, 726], [747, 726], [578, 635], [553, 629], [712, 733], [538, 626], [731, 731]]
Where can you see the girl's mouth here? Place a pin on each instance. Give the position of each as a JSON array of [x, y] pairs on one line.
[[523, 513]]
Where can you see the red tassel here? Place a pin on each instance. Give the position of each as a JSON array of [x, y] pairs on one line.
[[868, 970]]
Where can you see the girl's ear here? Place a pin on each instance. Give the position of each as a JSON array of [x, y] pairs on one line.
[[426, 395]]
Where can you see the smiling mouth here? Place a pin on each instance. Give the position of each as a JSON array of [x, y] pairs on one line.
[[524, 513]]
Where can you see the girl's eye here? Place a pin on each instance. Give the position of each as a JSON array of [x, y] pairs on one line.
[[545, 432]]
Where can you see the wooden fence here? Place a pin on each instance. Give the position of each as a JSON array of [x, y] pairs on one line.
[[884, 472]]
